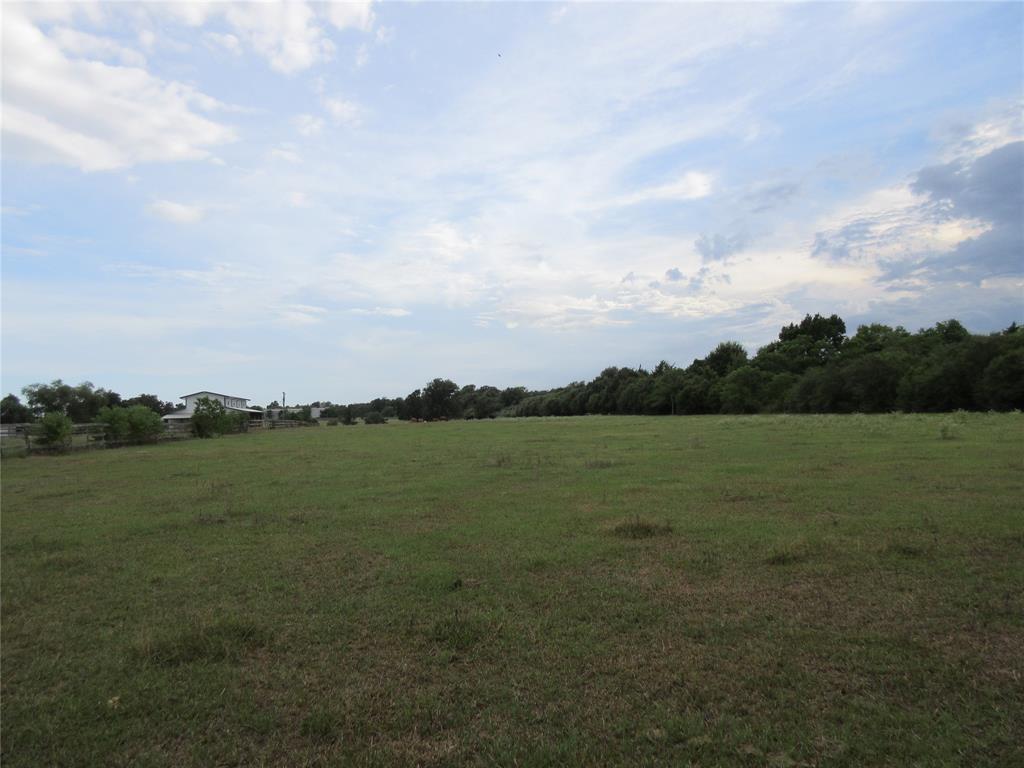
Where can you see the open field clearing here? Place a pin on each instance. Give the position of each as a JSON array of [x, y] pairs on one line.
[[819, 590]]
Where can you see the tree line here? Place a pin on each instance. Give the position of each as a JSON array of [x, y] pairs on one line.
[[81, 403], [439, 399], [812, 367]]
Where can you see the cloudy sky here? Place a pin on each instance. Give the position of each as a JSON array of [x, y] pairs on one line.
[[347, 200]]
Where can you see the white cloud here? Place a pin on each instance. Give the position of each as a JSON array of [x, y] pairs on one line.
[[362, 56], [693, 185], [284, 33], [176, 212], [308, 125], [226, 42], [92, 115], [296, 315], [343, 112], [147, 39], [287, 153], [298, 200], [85, 45], [382, 312], [350, 15], [1003, 124]]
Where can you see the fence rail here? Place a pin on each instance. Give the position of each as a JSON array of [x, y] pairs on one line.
[[24, 439]]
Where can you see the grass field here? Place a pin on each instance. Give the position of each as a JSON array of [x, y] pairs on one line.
[[820, 590]]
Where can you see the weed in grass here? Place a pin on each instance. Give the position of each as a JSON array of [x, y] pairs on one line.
[[36, 545], [223, 640], [949, 430], [789, 554], [59, 562], [205, 518], [459, 632], [641, 528], [905, 549], [500, 460], [697, 442], [599, 464], [319, 725], [708, 562]]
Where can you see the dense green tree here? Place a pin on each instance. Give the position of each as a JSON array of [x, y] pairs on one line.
[[80, 403], [211, 418], [54, 430], [814, 341], [135, 424], [873, 382], [664, 394], [698, 392], [439, 399], [742, 391], [13, 411], [154, 403], [412, 406], [512, 396], [1001, 386], [726, 358]]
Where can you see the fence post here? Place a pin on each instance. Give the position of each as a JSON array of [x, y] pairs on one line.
[[28, 443]]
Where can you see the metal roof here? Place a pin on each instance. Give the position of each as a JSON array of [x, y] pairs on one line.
[[219, 394]]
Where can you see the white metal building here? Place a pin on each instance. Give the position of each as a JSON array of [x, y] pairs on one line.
[[230, 402]]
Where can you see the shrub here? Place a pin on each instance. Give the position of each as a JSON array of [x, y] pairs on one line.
[[374, 417], [54, 430], [143, 423], [212, 418], [115, 423], [136, 424]]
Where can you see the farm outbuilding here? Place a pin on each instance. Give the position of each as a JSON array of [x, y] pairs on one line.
[[230, 402]]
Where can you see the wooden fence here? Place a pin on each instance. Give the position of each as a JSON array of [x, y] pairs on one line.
[[25, 439]]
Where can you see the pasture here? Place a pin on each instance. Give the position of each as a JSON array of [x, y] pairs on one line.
[[778, 590]]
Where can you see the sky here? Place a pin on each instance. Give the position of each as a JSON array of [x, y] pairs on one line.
[[344, 201]]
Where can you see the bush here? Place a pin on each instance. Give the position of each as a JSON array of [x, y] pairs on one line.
[[136, 424], [212, 418], [54, 431], [374, 417], [143, 423], [1002, 383]]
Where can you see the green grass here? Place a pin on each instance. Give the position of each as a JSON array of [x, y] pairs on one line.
[[710, 591]]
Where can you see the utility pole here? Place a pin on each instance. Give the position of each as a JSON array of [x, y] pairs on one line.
[[282, 400]]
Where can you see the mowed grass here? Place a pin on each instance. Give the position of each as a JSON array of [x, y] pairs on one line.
[[841, 590]]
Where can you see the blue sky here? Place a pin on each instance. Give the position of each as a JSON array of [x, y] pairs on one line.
[[346, 200]]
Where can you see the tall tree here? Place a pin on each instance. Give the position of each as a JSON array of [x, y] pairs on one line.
[[438, 398], [13, 411]]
